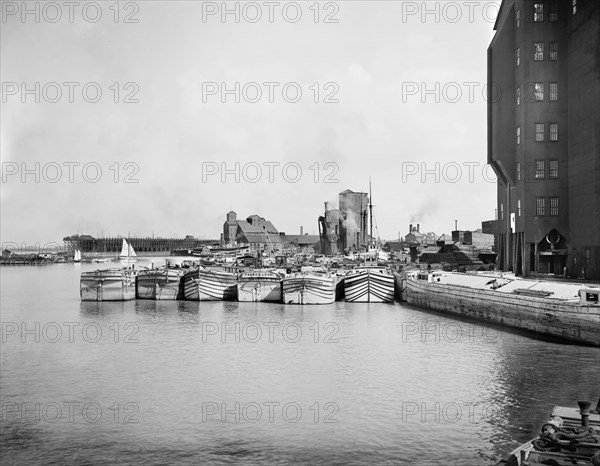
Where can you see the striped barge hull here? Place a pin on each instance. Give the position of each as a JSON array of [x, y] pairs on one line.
[[308, 289], [216, 285], [190, 285], [566, 320], [369, 285], [159, 284]]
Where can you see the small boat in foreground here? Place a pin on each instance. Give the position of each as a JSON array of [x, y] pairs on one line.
[[571, 436], [369, 284], [159, 283], [108, 285], [308, 288], [216, 285], [259, 286]]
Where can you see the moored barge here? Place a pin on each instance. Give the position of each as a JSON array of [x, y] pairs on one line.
[[259, 286], [570, 312], [108, 285]]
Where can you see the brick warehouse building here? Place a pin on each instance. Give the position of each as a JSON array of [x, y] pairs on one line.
[[544, 136]]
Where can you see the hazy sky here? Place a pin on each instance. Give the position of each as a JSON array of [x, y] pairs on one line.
[[163, 120]]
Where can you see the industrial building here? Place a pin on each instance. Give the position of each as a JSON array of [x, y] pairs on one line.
[[345, 229], [544, 136], [261, 235]]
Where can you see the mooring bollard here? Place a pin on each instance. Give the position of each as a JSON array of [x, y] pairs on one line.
[[584, 410]]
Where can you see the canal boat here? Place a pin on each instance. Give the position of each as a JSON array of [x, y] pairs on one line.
[[108, 285], [260, 285], [190, 285], [369, 284], [570, 436], [163, 283], [564, 310], [308, 288], [216, 285]]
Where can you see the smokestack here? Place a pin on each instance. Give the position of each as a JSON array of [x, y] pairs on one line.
[[410, 228], [418, 227], [301, 230]]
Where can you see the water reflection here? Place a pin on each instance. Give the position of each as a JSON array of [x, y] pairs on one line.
[[398, 377]]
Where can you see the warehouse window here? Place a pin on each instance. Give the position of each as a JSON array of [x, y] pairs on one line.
[[538, 48], [540, 169], [554, 206], [553, 12], [518, 95], [540, 206], [574, 6], [553, 92], [553, 50], [518, 56], [553, 169], [519, 207], [538, 12], [518, 170], [518, 17], [554, 132], [538, 90], [518, 135], [539, 132]]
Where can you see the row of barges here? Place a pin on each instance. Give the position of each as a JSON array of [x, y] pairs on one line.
[[374, 284]]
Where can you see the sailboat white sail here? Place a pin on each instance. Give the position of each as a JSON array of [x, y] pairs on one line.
[[77, 256], [127, 252]]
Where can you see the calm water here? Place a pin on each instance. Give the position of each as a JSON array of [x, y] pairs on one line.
[[222, 383]]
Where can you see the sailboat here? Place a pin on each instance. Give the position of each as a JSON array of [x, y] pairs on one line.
[[370, 283], [127, 253], [77, 256]]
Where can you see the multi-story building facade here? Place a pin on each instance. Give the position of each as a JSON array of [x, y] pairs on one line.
[[544, 136]]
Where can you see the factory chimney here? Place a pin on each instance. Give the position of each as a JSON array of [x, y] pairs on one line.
[[418, 228], [301, 230], [410, 228]]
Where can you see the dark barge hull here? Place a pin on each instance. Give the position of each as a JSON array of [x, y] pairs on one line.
[[569, 321]]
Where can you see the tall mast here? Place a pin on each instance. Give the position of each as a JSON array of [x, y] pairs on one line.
[[370, 214]]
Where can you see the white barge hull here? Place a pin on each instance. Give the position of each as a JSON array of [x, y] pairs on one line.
[[107, 285]]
